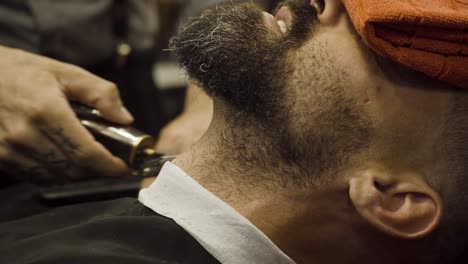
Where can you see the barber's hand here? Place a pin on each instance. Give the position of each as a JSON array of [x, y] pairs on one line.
[[39, 133], [180, 134]]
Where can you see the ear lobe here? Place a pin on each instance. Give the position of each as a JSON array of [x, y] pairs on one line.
[[399, 205], [330, 12]]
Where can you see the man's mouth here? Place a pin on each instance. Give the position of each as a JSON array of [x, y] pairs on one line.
[[284, 19], [281, 23]]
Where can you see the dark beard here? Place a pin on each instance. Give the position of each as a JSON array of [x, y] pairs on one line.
[[233, 56]]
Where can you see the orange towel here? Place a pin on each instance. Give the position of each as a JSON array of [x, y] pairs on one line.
[[430, 36]]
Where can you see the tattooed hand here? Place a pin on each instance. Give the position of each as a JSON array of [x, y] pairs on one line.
[[39, 132]]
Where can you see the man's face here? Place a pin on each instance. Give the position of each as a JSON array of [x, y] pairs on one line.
[[326, 102], [287, 79], [239, 53], [315, 86]]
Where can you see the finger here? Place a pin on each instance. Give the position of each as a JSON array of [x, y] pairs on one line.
[[77, 84], [146, 182], [64, 128], [170, 142], [87, 88], [179, 135]]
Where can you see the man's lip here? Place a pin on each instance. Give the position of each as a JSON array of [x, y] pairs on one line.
[[281, 22], [284, 14], [272, 24]]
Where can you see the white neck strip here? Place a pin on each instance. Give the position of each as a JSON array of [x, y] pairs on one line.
[[220, 229]]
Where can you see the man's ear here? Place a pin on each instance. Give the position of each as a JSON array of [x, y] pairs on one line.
[[399, 203], [329, 11]]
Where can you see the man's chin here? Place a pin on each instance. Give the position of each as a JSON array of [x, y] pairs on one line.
[[231, 53]]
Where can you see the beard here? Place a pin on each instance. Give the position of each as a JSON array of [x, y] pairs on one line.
[[233, 56], [230, 52]]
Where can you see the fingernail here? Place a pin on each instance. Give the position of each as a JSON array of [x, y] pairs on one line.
[[126, 114]]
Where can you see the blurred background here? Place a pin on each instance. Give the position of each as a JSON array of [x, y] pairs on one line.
[[120, 40]]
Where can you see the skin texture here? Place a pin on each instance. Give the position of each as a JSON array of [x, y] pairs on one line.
[[321, 145], [40, 136]]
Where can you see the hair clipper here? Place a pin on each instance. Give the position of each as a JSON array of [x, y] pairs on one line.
[[131, 145]]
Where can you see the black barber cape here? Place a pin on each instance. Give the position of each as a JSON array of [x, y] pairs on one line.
[[118, 232]]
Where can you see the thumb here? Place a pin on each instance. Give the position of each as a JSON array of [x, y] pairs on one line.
[[87, 88]]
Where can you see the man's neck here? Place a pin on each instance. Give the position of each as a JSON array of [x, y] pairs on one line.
[[287, 217], [220, 162], [239, 173], [238, 155]]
